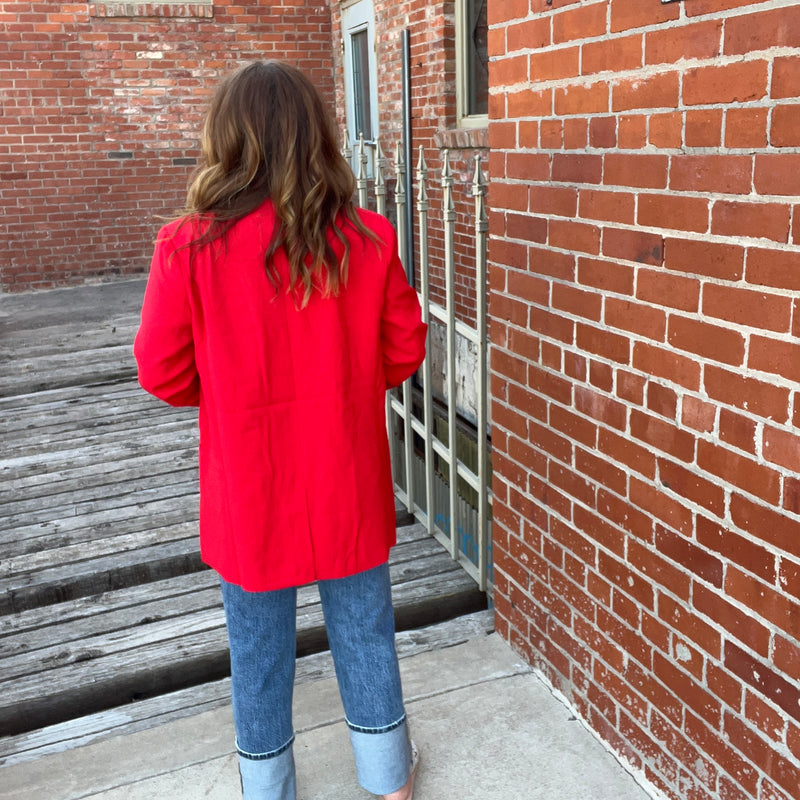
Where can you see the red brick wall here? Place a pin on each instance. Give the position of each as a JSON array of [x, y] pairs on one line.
[[101, 117], [431, 27], [645, 268]]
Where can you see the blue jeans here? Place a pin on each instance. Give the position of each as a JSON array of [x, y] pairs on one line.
[[360, 622]]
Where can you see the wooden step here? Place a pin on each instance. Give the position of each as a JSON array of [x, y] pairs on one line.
[[153, 711], [172, 635]]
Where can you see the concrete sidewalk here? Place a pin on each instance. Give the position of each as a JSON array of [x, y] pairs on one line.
[[486, 726]]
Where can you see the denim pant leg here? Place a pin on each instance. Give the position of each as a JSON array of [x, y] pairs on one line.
[[262, 636], [360, 622]]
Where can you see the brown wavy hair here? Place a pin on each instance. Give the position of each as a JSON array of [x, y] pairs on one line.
[[268, 135]]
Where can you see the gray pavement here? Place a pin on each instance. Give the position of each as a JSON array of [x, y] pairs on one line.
[[486, 726]]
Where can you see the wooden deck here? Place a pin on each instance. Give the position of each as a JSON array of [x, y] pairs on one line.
[[108, 619]]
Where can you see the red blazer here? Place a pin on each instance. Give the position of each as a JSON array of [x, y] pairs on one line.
[[295, 476]]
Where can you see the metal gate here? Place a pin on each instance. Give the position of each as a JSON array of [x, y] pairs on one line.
[[430, 443]]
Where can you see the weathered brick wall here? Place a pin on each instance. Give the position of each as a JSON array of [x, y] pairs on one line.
[[101, 117], [645, 265], [431, 27]]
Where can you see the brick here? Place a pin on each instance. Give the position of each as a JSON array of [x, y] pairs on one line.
[[664, 362], [667, 289], [528, 134], [632, 131], [509, 254], [603, 132], [683, 686], [577, 302], [660, 571], [725, 174], [700, 257], [756, 220], [576, 427], [577, 168], [635, 170], [674, 212], [526, 103], [551, 134], [510, 70], [662, 435], [777, 174], [632, 455], [576, 134], [606, 275], [782, 447], [584, 22], [757, 397], [779, 269], [786, 657], [785, 77], [760, 752], [751, 308], [530, 34], [772, 355], [574, 236], [553, 200], [660, 90], [553, 65], [785, 128], [746, 127], [739, 82], [741, 626], [763, 30], [697, 414], [632, 245], [694, 488], [526, 227], [607, 206], [706, 340], [643, 320], [511, 10], [737, 430], [552, 263], [765, 680], [791, 494], [578, 99], [666, 130], [601, 407], [742, 472], [766, 524], [668, 45], [627, 16], [703, 128], [603, 343], [618, 54], [709, 740]]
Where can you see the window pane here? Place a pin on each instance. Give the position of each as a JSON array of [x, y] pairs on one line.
[[477, 57], [361, 87]]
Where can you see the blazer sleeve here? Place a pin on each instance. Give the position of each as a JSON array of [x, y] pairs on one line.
[[402, 330], [164, 344]]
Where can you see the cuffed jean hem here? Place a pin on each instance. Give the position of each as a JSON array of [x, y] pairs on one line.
[[265, 756], [382, 756], [268, 776]]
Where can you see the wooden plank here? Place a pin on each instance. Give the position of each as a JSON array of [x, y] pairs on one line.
[[36, 650], [97, 448], [106, 671], [49, 372], [154, 711], [161, 553], [98, 476]]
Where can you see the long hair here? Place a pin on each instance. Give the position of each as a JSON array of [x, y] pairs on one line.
[[267, 135]]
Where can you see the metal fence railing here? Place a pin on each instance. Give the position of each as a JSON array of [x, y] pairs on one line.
[[441, 462]]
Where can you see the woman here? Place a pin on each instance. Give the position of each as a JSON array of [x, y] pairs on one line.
[[283, 312]]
